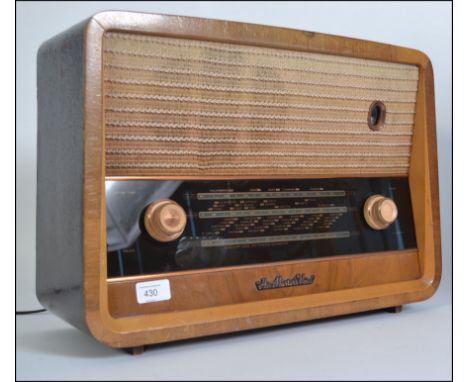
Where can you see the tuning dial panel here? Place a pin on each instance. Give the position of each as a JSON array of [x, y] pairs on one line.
[[380, 212], [158, 226], [165, 220]]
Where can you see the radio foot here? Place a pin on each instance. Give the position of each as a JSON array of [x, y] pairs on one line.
[[135, 350], [395, 309]]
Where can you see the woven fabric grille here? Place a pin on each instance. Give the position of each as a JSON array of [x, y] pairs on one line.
[[186, 107]]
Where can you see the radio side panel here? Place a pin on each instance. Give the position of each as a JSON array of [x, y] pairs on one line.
[[59, 231]]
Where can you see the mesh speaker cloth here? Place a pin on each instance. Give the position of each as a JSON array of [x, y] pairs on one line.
[[188, 107]]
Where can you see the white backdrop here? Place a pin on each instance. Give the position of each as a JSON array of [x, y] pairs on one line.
[[423, 26], [415, 345]]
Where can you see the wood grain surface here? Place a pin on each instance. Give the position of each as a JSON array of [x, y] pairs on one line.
[[223, 300]]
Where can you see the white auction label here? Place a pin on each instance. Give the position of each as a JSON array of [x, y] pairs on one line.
[[153, 291]]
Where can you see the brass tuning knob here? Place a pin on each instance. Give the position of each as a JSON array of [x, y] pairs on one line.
[[165, 220], [380, 211]]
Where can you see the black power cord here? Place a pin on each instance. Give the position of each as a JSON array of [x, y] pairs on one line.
[[20, 312]]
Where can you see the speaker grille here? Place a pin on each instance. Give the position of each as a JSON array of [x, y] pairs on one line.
[[187, 107]]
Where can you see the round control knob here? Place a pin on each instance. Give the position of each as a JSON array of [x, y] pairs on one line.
[[380, 211], [165, 220]]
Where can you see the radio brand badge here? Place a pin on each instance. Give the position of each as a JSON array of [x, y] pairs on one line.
[[280, 282]]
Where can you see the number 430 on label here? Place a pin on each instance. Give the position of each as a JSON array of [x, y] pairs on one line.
[[153, 291]]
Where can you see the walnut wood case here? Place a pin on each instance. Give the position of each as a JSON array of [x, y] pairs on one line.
[[72, 277]]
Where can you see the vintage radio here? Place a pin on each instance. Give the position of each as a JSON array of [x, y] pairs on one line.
[[198, 177]]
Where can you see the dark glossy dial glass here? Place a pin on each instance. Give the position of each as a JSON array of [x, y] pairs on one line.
[[244, 222]]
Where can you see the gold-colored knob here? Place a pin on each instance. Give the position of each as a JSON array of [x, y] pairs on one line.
[[165, 220], [380, 211]]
